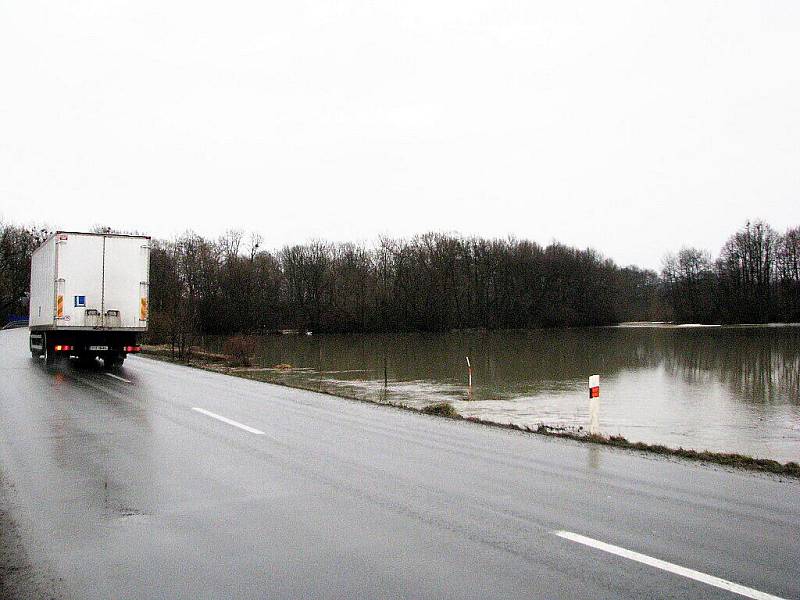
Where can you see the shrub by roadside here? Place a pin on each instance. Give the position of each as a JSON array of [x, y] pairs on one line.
[[240, 350], [441, 409]]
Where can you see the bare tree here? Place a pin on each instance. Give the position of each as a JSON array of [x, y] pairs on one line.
[[16, 246], [788, 272], [746, 270], [689, 282]]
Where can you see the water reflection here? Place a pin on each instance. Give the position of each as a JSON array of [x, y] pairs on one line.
[[593, 455], [760, 365]]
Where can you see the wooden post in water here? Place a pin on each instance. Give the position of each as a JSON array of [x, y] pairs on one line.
[[319, 367]]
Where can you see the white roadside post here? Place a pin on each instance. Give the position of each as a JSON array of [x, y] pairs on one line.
[[594, 405], [469, 370]]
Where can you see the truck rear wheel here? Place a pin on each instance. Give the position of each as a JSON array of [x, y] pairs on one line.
[[49, 356], [113, 361], [86, 360], [34, 352]]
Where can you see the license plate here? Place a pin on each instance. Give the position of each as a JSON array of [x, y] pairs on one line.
[[98, 347]]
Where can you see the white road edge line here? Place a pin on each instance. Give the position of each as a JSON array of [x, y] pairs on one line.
[[667, 566], [118, 377], [228, 421]]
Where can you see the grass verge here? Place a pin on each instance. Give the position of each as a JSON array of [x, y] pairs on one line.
[[216, 363]]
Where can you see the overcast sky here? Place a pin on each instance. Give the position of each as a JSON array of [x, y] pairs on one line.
[[631, 127]]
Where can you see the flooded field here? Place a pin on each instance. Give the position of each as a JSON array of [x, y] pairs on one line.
[[728, 389]]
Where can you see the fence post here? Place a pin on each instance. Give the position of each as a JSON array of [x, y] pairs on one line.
[[594, 405]]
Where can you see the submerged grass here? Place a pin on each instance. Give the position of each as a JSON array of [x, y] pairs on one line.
[[445, 409]]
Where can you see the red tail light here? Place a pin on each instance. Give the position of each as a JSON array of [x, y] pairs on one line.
[[63, 348], [132, 348]]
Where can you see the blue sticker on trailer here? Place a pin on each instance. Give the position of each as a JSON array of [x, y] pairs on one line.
[[80, 301]]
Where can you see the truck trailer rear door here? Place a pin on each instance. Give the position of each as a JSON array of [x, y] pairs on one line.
[[78, 289], [125, 281]]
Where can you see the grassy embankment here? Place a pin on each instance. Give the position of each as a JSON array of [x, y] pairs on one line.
[[222, 363]]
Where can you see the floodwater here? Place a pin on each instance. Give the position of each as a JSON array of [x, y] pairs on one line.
[[727, 389]]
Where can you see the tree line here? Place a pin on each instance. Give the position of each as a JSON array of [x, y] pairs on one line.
[[16, 246], [755, 279], [431, 282], [436, 282]]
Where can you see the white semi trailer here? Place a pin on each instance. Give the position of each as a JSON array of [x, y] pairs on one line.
[[89, 296]]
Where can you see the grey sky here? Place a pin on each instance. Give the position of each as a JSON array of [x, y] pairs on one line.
[[632, 127]]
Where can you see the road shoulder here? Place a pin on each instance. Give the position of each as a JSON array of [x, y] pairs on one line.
[[19, 578]]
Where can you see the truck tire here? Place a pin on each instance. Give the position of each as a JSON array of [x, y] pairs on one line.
[[34, 353], [86, 361], [49, 356], [112, 361]]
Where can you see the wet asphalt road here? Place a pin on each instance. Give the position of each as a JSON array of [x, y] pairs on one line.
[[122, 489]]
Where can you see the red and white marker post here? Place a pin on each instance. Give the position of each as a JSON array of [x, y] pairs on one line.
[[594, 404]]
